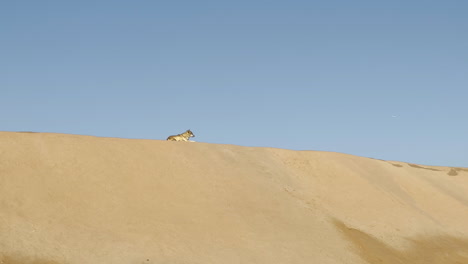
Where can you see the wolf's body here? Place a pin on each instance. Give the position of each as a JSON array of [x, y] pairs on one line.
[[182, 137]]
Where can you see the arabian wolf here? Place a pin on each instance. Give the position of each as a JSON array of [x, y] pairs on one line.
[[182, 137]]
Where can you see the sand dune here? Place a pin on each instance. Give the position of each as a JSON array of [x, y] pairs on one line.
[[67, 199]]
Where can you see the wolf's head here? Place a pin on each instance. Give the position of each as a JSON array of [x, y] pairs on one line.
[[189, 133]]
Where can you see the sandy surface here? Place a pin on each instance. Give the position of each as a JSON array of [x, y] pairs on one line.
[[67, 199]]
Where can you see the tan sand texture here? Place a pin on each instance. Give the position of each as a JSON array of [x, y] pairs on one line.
[[69, 199]]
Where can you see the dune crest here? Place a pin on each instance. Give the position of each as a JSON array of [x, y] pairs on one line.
[[67, 199]]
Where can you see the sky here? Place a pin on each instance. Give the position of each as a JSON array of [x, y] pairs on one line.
[[380, 79]]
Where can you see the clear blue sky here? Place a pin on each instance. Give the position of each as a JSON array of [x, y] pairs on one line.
[[381, 79]]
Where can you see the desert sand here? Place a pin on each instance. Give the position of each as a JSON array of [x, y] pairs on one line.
[[69, 199]]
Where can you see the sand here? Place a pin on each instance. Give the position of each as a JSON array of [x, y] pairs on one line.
[[67, 199]]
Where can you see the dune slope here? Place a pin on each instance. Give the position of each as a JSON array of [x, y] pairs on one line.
[[67, 199]]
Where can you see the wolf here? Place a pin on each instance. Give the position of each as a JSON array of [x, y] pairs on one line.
[[182, 137]]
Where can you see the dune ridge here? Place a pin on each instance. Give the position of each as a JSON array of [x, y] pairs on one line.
[[67, 199]]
